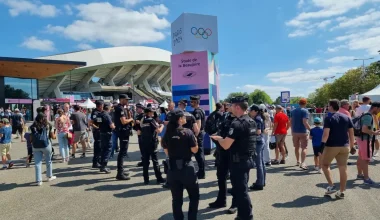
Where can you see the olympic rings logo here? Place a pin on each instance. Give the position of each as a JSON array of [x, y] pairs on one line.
[[201, 32]]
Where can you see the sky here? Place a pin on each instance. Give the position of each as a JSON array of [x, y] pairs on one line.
[[274, 45]]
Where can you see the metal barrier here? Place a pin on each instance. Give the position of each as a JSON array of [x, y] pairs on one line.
[[314, 115]]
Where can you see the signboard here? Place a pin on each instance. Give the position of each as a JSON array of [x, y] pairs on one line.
[[194, 32], [18, 101], [285, 97]]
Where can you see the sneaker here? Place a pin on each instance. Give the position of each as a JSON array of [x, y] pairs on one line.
[[371, 160], [369, 181], [275, 162], [10, 165], [303, 166], [51, 178], [330, 190], [105, 170], [360, 177], [39, 183], [298, 164], [4, 167], [376, 153], [268, 164], [282, 162], [122, 177], [161, 181], [320, 171], [316, 168], [339, 195], [83, 155], [72, 156]]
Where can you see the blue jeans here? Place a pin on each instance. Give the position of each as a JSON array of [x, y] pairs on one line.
[[115, 140], [38, 154], [63, 145], [260, 164], [266, 148]]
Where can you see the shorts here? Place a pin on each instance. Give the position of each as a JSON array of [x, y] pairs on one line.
[[17, 128], [271, 118], [5, 148], [317, 150], [339, 153], [365, 149], [300, 140], [79, 136], [30, 150], [280, 138]]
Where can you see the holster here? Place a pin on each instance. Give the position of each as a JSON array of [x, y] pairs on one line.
[[236, 158], [178, 164]]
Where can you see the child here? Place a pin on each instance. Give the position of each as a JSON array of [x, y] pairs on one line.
[[29, 147], [5, 143], [316, 134]]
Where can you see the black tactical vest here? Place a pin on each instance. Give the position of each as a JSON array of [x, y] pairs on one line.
[[246, 144]]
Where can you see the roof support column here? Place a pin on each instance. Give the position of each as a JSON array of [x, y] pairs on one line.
[[134, 71], [151, 71], [84, 83], [112, 75], [163, 83], [54, 85], [167, 85]]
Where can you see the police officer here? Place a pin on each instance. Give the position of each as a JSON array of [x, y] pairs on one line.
[[179, 144], [149, 142], [191, 122], [241, 140], [123, 123], [94, 122], [199, 115], [137, 127], [106, 126], [222, 165]]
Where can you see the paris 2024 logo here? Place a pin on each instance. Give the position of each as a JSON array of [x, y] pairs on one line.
[[201, 33]]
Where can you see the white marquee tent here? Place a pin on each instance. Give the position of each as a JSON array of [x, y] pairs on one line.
[[374, 94], [88, 104]]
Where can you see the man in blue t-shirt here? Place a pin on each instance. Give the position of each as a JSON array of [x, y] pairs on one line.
[[5, 142], [300, 125]]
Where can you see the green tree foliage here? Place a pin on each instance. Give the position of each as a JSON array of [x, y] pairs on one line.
[[259, 97], [13, 93], [277, 101], [350, 83], [294, 100], [234, 94]]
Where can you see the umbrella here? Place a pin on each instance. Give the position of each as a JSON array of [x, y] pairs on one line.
[[88, 104]]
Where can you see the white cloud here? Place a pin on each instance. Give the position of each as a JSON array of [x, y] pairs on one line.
[[117, 26], [17, 7], [131, 2], [68, 9], [335, 49], [228, 74], [300, 3], [302, 75], [371, 17], [323, 24], [300, 33], [84, 46], [38, 44], [340, 59], [156, 9], [272, 91], [313, 61]]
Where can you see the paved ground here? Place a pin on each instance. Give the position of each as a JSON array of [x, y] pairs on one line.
[[82, 193]]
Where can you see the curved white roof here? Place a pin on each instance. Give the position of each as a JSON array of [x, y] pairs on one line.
[[96, 57]]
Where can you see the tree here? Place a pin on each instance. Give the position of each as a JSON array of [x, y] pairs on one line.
[[259, 97], [277, 101], [13, 93], [350, 83], [295, 100], [234, 94]]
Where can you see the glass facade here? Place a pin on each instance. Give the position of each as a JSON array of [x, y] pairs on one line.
[[17, 88]]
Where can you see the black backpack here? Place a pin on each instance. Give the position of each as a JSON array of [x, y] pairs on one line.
[[212, 123], [357, 121]]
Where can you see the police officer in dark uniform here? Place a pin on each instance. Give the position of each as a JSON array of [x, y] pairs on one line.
[[149, 143], [179, 144], [106, 126], [94, 123], [222, 165], [123, 123], [241, 140], [191, 122], [137, 127], [199, 115]]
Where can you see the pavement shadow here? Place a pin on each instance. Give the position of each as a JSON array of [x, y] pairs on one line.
[[304, 201], [202, 214], [11, 186], [108, 188], [82, 182], [351, 184], [138, 192]]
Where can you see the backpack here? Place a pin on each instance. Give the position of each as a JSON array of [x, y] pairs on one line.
[[212, 123], [40, 137], [357, 121]]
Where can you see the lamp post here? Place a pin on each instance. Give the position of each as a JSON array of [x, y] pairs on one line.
[[363, 73]]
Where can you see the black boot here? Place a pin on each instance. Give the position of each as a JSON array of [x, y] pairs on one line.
[[217, 205], [122, 176]]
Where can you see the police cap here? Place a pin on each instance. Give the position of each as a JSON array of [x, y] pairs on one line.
[[183, 101], [175, 115], [99, 102], [149, 105], [254, 107], [149, 109], [195, 97], [138, 105], [124, 96], [238, 99], [107, 104]]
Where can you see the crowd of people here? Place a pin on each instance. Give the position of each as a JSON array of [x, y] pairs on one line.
[[244, 136]]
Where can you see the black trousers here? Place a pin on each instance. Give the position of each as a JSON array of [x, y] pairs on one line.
[[178, 181], [139, 141], [239, 181], [97, 146], [106, 148], [222, 169], [150, 153], [200, 156], [124, 141]]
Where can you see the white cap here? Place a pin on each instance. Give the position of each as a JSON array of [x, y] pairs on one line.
[[262, 107]]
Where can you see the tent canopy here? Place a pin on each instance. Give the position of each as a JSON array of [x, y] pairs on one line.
[[88, 104], [374, 94], [164, 104]]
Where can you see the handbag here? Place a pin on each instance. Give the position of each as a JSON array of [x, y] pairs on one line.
[[69, 135], [272, 142]]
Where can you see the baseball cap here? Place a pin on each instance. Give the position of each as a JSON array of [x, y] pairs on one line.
[[317, 120], [262, 107], [5, 121]]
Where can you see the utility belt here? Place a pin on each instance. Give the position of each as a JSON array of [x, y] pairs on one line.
[[106, 133], [237, 158], [178, 164]]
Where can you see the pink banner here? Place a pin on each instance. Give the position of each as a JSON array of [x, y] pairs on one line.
[[190, 69], [19, 101]]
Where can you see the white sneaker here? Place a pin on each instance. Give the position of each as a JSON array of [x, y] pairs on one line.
[[39, 183], [376, 153], [372, 160], [51, 178], [316, 168], [320, 171]]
